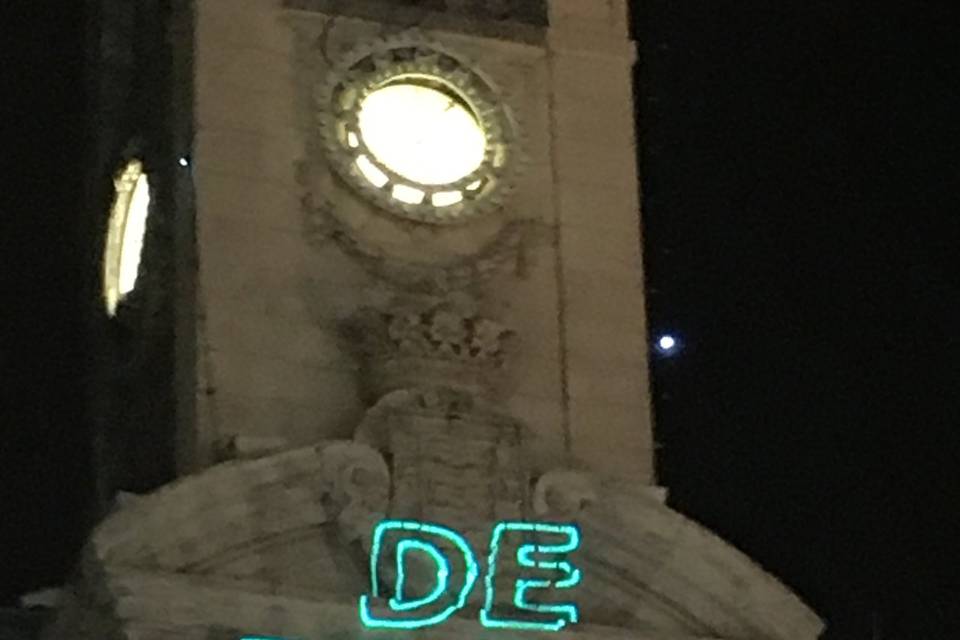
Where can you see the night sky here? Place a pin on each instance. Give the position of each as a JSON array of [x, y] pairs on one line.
[[797, 162], [799, 173]]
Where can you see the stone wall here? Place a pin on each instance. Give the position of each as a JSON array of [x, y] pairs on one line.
[[596, 196]]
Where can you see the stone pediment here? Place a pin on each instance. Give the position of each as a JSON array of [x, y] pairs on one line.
[[190, 608], [278, 546], [312, 561]]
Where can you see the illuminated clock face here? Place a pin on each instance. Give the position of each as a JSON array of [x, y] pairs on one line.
[[418, 133], [128, 223], [422, 133]]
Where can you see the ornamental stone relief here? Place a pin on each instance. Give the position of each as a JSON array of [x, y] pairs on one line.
[[418, 260], [357, 488], [415, 208], [433, 342], [564, 494], [454, 458], [531, 11]]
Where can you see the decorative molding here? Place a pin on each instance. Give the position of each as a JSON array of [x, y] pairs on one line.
[[487, 254], [524, 26], [564, 494], [455, 458], [456, 254], [525, 11], [239, 447], [150, 605], [396, 407], [431, 342], [359, 487]]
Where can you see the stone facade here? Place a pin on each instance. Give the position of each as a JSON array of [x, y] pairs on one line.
[[289, 252], [356, 363]]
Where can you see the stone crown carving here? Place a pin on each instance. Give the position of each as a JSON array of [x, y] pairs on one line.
[[443, 343]]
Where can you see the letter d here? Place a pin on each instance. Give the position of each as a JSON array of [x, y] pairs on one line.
[[449, 592]]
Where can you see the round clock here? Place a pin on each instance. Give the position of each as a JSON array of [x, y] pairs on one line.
[[127, 226], [421, 132], [418, 132]]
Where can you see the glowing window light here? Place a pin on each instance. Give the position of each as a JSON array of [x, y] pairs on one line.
[[407, 194], [422, 133], [370, 171], [127, 226], [446, 198]]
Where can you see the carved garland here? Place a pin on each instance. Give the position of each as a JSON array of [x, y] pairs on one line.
[[321, 225]]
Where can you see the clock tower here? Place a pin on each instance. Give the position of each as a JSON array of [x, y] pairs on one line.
[[404, 284], [461, 174]]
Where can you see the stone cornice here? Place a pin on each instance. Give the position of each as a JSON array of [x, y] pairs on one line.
[[404, 17], [194, 606], [489, 257]]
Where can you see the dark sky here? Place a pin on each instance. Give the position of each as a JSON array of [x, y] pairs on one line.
[[799, 164], [802, 237], [45, 480]]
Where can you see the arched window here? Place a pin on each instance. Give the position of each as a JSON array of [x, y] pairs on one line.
[[128, 223]]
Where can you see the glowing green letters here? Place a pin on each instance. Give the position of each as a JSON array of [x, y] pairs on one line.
[[513, 597]]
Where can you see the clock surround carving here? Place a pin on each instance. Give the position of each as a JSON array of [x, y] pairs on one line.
[[411, 58]]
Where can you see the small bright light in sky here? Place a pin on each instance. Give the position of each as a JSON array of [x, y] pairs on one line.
[[184, 162], [667, 343]]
